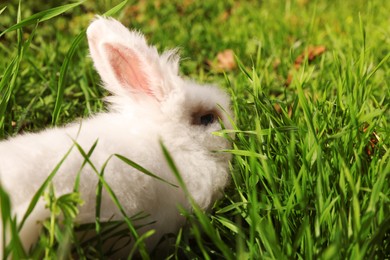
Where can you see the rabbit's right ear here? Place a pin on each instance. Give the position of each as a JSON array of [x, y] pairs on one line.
[[125, 62]]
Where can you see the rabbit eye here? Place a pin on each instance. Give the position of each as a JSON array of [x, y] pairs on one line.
[[204, 119], [207, 119]]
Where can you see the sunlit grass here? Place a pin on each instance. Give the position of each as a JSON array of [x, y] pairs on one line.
[[311, 165]]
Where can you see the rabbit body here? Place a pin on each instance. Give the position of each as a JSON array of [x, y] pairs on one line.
[[150, 103]]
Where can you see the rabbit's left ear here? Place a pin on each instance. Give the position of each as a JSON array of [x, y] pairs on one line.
[[126, 64]]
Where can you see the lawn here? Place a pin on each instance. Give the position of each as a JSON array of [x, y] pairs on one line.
[[310, 89]]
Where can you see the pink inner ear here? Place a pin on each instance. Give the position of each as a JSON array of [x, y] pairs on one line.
[[128, 68]]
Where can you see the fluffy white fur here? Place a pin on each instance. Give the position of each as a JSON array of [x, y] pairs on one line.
[[150, 102]]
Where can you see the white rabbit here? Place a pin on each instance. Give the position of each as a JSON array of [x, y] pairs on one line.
[[150, 102]]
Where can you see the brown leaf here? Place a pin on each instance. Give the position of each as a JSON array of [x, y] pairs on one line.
[[310, 54], [371, 146], [224, 16], [278, 108], [224, 61], [288, 80]]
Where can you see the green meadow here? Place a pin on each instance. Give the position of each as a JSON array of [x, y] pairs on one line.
[[310, 90]]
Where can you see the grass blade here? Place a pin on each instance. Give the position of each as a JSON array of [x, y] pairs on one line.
[[2, 10], [62, 77], [41, 17], [143, 170], [116, 8]]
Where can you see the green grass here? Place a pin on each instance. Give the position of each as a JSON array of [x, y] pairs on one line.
[[311, 166]]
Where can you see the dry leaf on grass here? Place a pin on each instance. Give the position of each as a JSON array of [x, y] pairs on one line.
[[278, 109], [311, 53], [371, 146], [224, 61]]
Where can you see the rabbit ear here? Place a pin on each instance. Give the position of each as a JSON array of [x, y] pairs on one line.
[[125, 62], [128, 68]]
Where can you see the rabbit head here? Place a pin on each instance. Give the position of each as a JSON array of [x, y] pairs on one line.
[[141, 79]]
